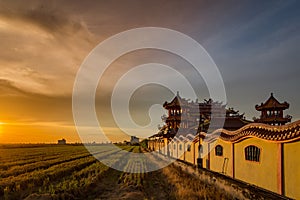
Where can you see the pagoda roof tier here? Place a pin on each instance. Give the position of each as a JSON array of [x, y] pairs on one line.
[[178, 102], [272, 104]]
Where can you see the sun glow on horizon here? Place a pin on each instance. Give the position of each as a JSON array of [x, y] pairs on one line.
[[1, 126], [47, 132]]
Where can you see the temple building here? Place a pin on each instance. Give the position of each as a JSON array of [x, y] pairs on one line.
[[272, 112], [187, 118], [241, 150], [181, 113], [187, 115], [234, 120]]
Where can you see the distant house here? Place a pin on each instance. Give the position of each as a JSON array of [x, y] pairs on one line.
[[62, 141], [134, 140]]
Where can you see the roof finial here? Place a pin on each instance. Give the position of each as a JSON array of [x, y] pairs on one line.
[[271, 94], [177, 93]]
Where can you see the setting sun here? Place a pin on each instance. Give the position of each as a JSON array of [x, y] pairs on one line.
[[1, 125]]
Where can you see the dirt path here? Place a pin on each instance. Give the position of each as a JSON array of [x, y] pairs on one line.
[[111, 186], [115, 184], [170, 182]]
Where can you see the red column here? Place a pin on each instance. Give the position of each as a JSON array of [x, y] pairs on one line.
[[280, 169], [233, 167], [208, 162]]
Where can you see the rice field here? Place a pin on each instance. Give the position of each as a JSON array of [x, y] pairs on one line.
[[48, 169], [71, 172]]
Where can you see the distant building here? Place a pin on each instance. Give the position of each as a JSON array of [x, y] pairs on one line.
[[62, 141], [272, 112], [134, 140]]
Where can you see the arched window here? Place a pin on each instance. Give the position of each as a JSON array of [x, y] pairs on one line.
[[188, 147], [252, 153], [174, 146], [219, 150], [180, 147]]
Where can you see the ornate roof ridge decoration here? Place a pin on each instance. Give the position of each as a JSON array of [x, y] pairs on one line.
[[279, 134], [272, 102]]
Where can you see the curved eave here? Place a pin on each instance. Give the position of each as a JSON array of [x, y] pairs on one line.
[[278, 106], [278, 134]]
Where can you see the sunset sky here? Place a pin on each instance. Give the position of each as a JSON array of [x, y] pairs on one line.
[[255, 45]]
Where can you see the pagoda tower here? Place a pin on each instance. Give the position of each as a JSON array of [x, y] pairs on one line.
[[181, 113], [272, 112]]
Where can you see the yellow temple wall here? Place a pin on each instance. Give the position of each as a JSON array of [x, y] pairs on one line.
[[204, 155], [263, 173], [222, 164], [277, 170], [292, 169], [181, 150], [189, 155], [171, 149], [175, 149], [196, 144]]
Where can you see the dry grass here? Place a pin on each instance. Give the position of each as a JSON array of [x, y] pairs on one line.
[[188, 186]]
